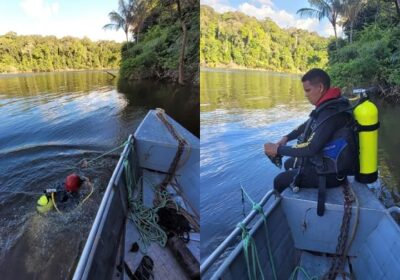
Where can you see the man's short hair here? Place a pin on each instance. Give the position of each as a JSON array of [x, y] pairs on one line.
[[315, 76]]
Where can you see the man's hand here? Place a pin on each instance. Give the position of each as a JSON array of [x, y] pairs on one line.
[[283, 141], [271, 149]]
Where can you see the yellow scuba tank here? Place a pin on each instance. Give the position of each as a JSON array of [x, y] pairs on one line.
[[366, 115], [44, 204]]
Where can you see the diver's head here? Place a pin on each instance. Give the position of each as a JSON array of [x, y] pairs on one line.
[[316, 83], [72, 183]]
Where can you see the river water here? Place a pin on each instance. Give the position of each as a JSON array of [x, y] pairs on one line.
[[242, 110], [48, 123]]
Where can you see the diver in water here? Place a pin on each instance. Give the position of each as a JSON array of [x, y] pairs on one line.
[[64, 196]]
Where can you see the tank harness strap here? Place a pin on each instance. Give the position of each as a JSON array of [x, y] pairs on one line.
[[368, 127], [321, 195]]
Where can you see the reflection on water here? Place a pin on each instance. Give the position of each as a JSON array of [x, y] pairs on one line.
[[48, 123], [248, 90], [240, 111], [389, 143]]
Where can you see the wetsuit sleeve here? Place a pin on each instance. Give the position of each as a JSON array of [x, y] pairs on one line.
[[316, 141], [296, 132]]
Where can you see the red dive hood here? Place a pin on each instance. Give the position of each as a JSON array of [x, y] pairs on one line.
[[72, 183], [331, 93]]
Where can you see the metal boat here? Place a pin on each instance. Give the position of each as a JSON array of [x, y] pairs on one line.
[[293, 242], [117, 247]]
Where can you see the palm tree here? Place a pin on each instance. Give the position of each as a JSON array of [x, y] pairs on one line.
[[321, 9], [123, 19], [140, 10], [351, 8]]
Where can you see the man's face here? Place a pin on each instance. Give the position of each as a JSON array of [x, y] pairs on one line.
[[313, 92]]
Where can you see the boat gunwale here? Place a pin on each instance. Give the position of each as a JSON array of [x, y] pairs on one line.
[[86, 258], [205, 266], [239, 247]]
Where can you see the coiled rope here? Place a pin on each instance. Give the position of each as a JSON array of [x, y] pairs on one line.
[[144, 218]]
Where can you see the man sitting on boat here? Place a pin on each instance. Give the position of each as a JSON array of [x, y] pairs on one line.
[[325, 126]]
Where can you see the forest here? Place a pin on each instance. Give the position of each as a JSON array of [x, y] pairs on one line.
[[366, 54], [162, 39], [369, 53], [236, 40], [35, 53]]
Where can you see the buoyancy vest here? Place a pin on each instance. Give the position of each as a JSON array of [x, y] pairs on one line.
[[340, 155]]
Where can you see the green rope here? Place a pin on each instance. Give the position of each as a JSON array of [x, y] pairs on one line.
[[293, 275], [248, 243], [260, 210], [144, 218], [104, 154]]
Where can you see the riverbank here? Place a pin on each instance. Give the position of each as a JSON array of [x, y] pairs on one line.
[[113, 71], [36, 53], [233, 67], [159, 47]]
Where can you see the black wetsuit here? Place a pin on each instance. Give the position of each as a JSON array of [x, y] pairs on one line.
[[324, 122]]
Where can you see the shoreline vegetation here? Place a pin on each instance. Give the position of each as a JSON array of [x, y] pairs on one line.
[[162, 39], [162, 43], [235, 40], [368, 55], [36, 53]]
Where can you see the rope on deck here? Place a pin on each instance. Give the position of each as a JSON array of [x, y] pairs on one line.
[[144, 218]]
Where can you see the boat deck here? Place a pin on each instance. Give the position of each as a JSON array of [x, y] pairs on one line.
[[164, 266], [316, 266]]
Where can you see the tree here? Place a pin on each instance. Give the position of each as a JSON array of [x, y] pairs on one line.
[[140, 11], [184, 40], [350, 11], [321, 9], [123, 19]]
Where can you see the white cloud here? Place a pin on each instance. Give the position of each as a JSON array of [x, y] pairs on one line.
[[221, 6], [265, 2], [327, 30], [38, 9], [262, 9], [281, 17]]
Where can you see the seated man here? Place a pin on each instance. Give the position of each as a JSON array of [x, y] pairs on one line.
[[303, 168]]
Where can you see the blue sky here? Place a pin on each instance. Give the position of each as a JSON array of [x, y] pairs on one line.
[[283, 12], [76, 18]]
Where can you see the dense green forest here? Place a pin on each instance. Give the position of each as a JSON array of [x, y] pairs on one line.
[[369, 55], [164, 39], [234, 39], [36, 53]]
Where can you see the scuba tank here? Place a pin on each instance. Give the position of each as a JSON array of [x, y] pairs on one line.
[[44, 204], [366, 115]]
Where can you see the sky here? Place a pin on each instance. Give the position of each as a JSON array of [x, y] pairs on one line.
[[283, 12], [76, 18]]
